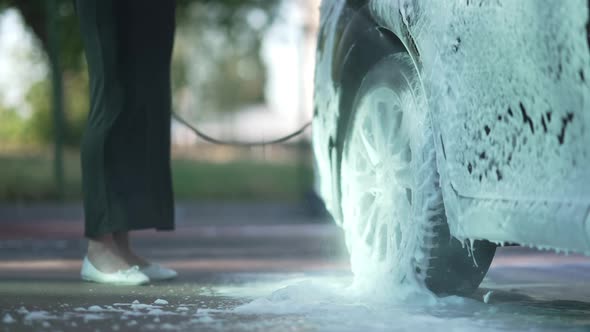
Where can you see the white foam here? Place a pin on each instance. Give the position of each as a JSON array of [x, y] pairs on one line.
[[208, 311], [155, 312], [8, 319], [90, 317], [329, 306], [168, 327], [160, 312], [38, 315], [95, 308], [142, 306], [203, 320], [507, 79], [482, 61], [160, 302], [486, 297], [293, 299]]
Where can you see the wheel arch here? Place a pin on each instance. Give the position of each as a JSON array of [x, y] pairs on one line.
[[361, 44]]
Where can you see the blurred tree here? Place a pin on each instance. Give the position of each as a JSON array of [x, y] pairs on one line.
[[40, 126], [226, 70], [218, 54], [12, 127], [33, 13]]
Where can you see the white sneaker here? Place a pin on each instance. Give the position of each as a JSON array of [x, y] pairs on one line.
[[130, 277], [156, 272]]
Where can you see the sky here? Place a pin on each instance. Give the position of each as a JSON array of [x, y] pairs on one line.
[[20, 62]]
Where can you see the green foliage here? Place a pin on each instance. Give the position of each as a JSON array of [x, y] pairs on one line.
[[77, 101], [29, 178], [41, 121], [34, 15], [218, 53], [217, 61], [231, 9], [12, 127], [41, 125], [229, 16], [242, 180]]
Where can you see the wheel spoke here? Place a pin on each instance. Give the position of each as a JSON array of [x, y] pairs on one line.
[[369, 149], [370, 219], [406, 154], [409, 195], [368, 181], [403, 177], [383, 241], [378, 181], [397, 234], [360, 172], [397, 118], [378, 122], [369, 234], [364, 220], [399, 145]]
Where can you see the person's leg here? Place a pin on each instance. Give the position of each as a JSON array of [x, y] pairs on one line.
[[122, 242], [99, 31], [154, 271], [105, 255], [142, 132], [125, 151]]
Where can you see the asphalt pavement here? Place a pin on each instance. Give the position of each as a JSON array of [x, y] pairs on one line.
[[260, 267]]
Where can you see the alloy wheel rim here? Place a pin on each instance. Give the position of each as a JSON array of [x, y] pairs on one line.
[[377, 180]]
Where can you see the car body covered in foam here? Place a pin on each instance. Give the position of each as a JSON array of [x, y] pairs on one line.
[[508, 90]]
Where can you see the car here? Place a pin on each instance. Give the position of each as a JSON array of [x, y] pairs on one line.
[[443, 129]]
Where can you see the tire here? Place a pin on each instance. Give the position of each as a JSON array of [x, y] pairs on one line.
[[391, 202]]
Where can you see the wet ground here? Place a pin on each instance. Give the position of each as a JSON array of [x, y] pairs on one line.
[[263, 268]]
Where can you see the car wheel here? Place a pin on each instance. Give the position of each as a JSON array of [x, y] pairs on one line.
[[391, 202]]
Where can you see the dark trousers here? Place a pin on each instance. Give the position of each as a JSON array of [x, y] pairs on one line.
[[126, 147]]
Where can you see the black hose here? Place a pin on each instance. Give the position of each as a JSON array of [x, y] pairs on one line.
[[238, 143]]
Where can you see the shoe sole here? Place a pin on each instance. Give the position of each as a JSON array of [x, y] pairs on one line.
[[116, 283]]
